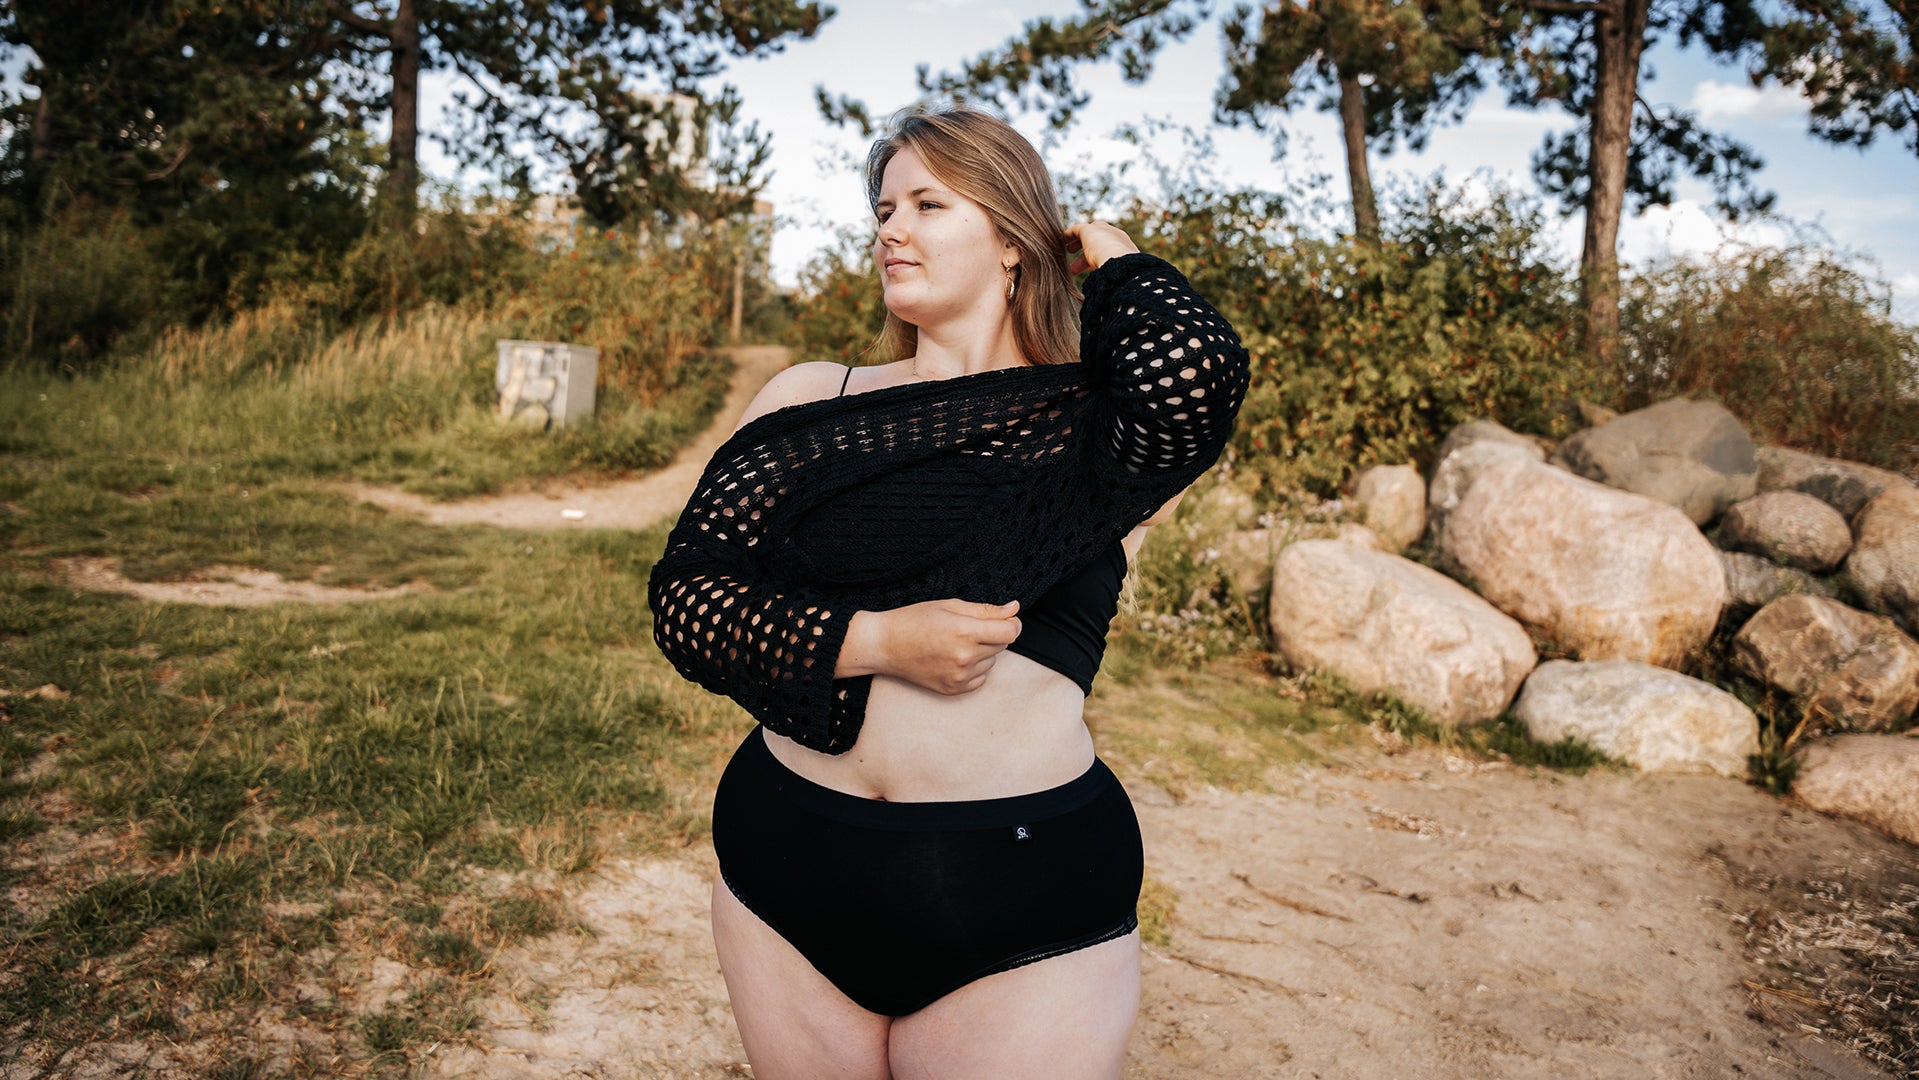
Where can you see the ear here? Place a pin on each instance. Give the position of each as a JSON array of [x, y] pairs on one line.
[[1008, 256]]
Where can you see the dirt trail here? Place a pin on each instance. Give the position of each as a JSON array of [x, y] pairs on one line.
[[626, 504], [1416, 915], [220, 586]]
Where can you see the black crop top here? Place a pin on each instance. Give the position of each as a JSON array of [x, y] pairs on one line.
[[1070, 456], [1064, 629]]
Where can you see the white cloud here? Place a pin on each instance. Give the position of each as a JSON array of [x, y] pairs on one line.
[[1714, 100], [1690, 227], [1905, 298]]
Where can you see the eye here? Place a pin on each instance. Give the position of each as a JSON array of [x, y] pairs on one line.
[[928, 204], [883, 215]]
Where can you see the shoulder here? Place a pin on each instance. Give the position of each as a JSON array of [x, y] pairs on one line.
[[796, 385]]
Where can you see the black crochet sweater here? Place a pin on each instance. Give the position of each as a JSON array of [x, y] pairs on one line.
[[1067, 458]]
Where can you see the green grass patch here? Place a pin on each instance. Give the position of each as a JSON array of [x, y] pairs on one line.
[[207, 796], [1220, 723], [407, 402], [1158, 902], [1502, 737]]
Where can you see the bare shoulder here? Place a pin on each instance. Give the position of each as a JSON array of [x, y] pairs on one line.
[[796, 385]]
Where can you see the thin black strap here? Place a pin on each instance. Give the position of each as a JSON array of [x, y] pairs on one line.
[[843, 382]]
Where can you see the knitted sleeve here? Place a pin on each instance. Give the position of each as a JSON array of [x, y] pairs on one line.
[[1172, 368], [726, 621]]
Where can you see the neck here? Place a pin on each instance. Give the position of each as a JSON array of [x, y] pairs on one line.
[[946, 351]]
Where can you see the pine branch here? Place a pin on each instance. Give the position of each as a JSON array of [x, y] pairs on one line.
[[459, 65], [364, 25], [1604, 8], [186, 146]]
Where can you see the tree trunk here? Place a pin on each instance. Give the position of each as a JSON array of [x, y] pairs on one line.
[[42, 127], [1620, 37], [737, 326], [1352, 125], [403, 147]]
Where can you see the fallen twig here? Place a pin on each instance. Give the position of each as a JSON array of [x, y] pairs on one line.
[[1287, 902], [1256, 980]]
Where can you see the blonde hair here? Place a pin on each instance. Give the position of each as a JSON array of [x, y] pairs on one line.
[[981, 157]]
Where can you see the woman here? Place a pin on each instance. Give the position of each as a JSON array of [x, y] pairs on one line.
[[906, 572]]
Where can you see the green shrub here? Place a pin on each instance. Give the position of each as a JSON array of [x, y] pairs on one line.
[[451, 254], [76, 286], [648, 310], [1798, 342], [1366, 355]]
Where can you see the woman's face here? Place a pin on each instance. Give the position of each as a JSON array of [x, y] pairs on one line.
[[939, 256]]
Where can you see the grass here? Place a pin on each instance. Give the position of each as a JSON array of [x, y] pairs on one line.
[[202, 808], [248, 406], [202, 767]]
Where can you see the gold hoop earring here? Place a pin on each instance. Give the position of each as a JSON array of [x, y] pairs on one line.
[[1012, 282]]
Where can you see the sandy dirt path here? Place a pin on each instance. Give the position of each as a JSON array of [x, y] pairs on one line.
[[220, 586], [1414, 915], [627, 504]]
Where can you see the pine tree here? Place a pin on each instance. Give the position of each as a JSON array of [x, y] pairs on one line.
[[1857, 64], [201, 122], [1587, 57], [607, 89], [1391, 69]]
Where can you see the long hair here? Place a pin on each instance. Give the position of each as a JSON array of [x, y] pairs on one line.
[[981, 157]]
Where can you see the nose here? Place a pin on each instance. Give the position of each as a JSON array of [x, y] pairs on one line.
[[892, 232]]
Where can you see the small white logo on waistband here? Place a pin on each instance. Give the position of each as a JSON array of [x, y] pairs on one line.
[[1020, 833]]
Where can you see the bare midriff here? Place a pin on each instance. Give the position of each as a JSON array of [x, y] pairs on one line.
[[1021, 731]]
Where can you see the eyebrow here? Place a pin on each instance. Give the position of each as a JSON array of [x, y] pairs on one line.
[[910, 196]]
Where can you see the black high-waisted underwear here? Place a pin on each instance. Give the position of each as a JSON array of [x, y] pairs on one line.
[[901, 903]]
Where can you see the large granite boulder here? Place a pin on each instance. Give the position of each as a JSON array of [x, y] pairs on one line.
[[1388, 624], [1874, 778], [1753, 582], [1844, 485], [1855, 668], [1607, 574], [1694, 455], [1884, 564], [1788, 527], [1654, 719], [1474, 431], [1467, 451], [1392, 503]]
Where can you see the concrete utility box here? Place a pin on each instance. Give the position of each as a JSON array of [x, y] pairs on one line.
[[546, 384]]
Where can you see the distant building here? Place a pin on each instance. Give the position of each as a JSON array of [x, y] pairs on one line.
[[554, 221]]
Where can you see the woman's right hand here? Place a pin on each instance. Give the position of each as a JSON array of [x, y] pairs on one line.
[[946, 646]]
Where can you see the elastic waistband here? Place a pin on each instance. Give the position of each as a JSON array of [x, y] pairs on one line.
[[756, 763]]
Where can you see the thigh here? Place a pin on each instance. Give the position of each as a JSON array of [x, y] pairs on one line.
[[1068, 1017], [793, 1021]]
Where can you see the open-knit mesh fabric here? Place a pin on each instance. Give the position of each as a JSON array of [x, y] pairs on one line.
[[1082, 452]]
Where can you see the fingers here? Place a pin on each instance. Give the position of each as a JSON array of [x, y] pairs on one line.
[[1001, 632], [975, 610], [1095, 242]]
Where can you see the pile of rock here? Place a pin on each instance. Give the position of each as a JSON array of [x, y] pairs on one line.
[[1627, 546]]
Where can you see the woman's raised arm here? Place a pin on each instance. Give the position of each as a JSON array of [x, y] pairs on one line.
[[1172, 367]]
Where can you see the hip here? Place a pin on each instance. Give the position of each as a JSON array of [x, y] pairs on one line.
[[899, 903]]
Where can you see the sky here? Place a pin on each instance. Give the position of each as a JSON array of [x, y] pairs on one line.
[[1867, 202]]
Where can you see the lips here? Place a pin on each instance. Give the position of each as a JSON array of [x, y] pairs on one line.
[[892, 265]]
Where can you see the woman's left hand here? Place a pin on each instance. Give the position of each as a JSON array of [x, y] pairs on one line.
[[1094, 242]]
